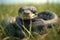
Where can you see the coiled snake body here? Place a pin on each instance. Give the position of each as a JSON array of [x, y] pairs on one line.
[[39, 20]]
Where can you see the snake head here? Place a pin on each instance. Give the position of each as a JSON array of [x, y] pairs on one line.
[[27, 12]]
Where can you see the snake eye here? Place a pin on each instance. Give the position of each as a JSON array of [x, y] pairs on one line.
[[21, 10], [33, 11]]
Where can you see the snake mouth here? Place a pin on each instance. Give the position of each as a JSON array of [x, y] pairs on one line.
[[27, 14]]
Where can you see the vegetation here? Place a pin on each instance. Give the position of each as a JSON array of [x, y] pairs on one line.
[[12, 10]]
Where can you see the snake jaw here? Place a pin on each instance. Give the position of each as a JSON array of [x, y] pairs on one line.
[[27, 14]]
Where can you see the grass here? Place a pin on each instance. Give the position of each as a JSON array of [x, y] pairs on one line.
[[12, 10]]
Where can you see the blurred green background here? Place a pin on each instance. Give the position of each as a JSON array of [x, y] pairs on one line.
[[12, 10]]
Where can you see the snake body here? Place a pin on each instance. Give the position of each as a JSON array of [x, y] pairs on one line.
[[38, 20]]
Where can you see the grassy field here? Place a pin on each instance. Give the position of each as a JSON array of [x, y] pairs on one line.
[[12, 10]]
